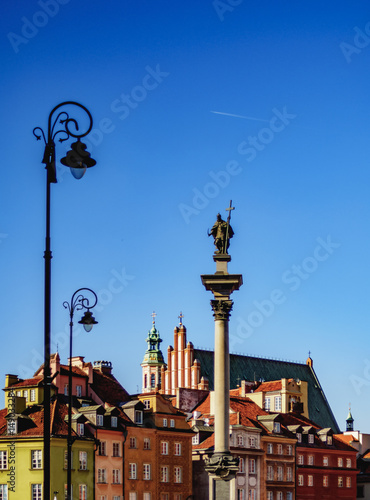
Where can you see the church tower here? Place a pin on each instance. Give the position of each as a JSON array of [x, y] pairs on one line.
[[153, 361], [349, 421]]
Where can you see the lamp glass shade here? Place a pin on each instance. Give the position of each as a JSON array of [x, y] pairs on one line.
[[88, 321], [78, 172], [78, 159]]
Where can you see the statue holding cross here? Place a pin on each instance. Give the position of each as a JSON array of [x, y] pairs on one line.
[[222, 232]]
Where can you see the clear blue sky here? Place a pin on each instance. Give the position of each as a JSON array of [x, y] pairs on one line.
[[194, 103]]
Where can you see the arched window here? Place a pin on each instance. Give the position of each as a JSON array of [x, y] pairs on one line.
[[152, 380], [145, 380]]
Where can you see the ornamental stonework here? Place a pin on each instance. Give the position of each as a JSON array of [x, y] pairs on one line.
[[222, 309]]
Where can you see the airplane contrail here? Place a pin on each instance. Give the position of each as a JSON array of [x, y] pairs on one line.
[[240, 116]]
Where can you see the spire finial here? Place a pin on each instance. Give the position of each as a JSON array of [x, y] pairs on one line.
[[180, 317], [154, 314]]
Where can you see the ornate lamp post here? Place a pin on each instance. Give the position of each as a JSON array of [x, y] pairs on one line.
[[78, 159], [78, 302]]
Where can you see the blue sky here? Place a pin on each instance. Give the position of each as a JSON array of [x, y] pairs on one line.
[[164, 81]]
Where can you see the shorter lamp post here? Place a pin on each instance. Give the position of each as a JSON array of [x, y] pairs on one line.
[[78, 302]]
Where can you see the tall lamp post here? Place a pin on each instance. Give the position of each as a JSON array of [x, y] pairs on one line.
[[78, 302], [78, 159]]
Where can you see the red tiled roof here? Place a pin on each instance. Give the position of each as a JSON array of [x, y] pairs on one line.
[[108, 389], [64, 370], [269, 386], [29, 382], [347, 438]]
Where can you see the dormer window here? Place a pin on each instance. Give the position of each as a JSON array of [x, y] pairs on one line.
[[195, 439], [277, 427], [113, 421], [99, 419], [299, 437], [330, 440], [138, 417], [80, 429], [12, 426], [311, 438]]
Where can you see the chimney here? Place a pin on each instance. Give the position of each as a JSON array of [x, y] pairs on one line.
[[104, 367]]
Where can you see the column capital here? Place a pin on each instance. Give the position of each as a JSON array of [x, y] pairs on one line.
[[222, 309]]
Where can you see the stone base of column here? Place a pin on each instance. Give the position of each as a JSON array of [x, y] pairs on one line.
[[222, 465]]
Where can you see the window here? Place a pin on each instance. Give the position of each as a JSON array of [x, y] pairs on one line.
[[252, 466], [146, 443], [83, 492], [329, 440], [66, 389], [102, 475], [240, 494], [289, 449], [325, 461], [252, 495], [277, 427], [117, 497], [300, 480], [145, 380], [267, 403], [165, 496], [172, 422], [289, 495], [3, 459], [280, 449], [132, 442], [178, 449], [36, 457], [147, 496], [270, 448], [270, 473], [178, 474], [164, 423], [116, 450], [164, 448], [132, 471], [252, 442], [66, 459], [116, 477], [99, 419], [241, 464], [146, 404], [12, 426], [19, 393], [348, 462], [177, 496], [300, 459], [310, 460], [36, 490], [78, 391], [299, 437], [270, 495], [132, 495], [113, 421], [277, 403], [289, 474], [240, 440], [340, 482], [146, 472], [25, 395], [195, 439], [279, 495], [32, 395], [3, 492], [280, 473], [311, 438], [152, 380], [340, 462], [325, 481], [310, 481], [103, 448], [138, 417], [164, 474], [80, 429], [348, 482], [83, 460]]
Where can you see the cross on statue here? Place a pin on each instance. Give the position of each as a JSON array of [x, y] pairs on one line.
[[180, 317], [228, 224], [153, 315]]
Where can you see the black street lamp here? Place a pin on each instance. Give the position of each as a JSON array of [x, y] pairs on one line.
[[78, 160], [78, 302]]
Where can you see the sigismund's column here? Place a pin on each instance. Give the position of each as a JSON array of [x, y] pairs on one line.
[[222, 466]]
